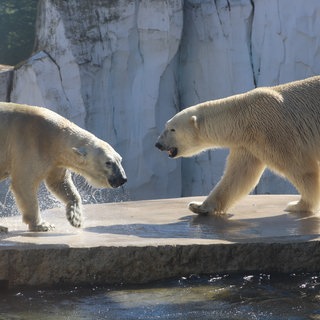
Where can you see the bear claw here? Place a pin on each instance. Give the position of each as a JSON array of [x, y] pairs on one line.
[[196, 207], [42, 227]]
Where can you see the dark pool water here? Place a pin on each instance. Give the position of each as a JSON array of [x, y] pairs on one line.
[[249, 296]]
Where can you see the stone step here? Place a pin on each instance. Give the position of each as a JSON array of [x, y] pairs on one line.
[[143, 241]]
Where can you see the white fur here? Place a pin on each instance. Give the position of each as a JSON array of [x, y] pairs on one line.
[[37, 144], [276, 127]]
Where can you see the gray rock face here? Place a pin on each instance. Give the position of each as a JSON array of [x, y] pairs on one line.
[[6, 73], [122, 68]]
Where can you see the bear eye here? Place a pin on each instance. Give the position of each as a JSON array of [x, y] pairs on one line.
[[109, 163]]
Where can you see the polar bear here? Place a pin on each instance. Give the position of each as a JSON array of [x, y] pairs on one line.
[[276, 127], [38, 145]]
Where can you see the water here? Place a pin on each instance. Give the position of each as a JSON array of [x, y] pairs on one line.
[[89, 195], [241, 297]]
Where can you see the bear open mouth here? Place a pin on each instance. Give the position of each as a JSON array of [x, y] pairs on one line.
[[172, 152]]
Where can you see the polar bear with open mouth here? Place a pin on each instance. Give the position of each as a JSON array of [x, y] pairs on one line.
[[276, 127]]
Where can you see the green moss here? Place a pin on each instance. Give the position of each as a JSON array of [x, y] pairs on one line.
[[17, 30]]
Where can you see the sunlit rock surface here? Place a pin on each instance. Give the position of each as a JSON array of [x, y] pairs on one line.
[[122, 68], [149, 240]]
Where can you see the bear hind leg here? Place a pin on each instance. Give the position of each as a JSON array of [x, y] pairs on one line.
[[25, 193], [299, 206], [308, 184], [60, 183]]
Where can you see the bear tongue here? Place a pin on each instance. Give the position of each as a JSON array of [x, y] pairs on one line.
[[172, 152]]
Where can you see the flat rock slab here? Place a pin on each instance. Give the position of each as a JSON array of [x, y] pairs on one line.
[[142, 241]]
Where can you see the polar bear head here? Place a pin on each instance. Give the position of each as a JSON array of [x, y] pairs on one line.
[[181, 136], [100, 164]]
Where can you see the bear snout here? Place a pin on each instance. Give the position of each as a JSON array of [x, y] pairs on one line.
[[159, 146], [172, 151], [117, 177], [116, 182]]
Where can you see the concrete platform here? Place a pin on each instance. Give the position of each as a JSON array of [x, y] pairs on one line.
[[142, 241]]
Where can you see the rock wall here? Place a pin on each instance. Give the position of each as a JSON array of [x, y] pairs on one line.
[[6, 73], [122, 68]]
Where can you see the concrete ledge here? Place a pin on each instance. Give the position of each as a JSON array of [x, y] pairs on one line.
[[137, 242]]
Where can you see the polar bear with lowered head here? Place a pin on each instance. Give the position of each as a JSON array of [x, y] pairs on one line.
[[38, 145], [276, 127]]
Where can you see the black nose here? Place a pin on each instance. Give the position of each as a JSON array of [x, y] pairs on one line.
[[117, 182], [159, 146], [123, 180]]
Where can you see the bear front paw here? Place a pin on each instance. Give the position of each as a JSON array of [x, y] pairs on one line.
[[74, 214], [42, 227], [198, 208], [205, 209]]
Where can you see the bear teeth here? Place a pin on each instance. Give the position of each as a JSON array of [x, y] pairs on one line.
[[172, 152]]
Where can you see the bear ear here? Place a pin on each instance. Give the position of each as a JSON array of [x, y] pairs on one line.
[[81, 151], [194, 121]]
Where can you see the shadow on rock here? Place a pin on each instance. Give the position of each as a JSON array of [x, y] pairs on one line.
[[222, 227]]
